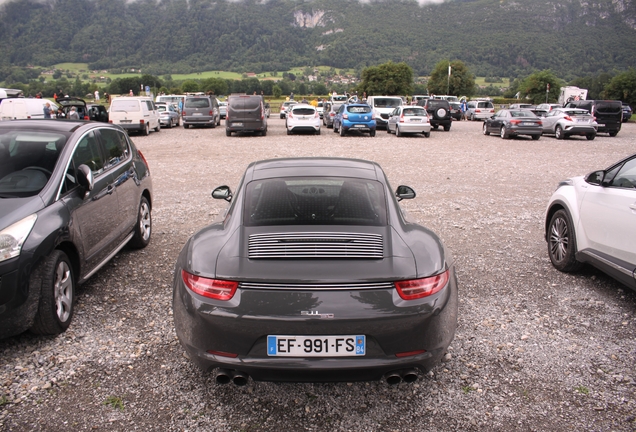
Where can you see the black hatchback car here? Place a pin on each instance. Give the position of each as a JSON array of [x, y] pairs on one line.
[[72, 194]]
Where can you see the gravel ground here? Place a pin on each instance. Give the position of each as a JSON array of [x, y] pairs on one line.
[[535, 349]]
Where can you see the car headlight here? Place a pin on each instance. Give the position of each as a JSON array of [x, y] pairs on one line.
[[13, 237]]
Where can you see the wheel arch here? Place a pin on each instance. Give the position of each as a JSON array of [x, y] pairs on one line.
[[555, 207], [74, 256]]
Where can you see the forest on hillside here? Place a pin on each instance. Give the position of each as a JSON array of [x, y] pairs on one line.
[[492, 37]]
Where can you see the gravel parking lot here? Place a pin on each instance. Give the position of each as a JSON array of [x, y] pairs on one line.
[[535, 349]]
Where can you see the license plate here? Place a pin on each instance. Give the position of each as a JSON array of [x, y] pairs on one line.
[[416, 120], [527, 124], [316, 346], [126, 121], [197, 114], [237, 124], [359, 126]]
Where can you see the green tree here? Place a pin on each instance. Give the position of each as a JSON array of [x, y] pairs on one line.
[[623, 87], [190, 86], [387, 79], [460, 82], [216, 85], [534, 87], [277, 91]]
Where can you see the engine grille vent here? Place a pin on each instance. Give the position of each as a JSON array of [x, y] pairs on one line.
[[316, 245]]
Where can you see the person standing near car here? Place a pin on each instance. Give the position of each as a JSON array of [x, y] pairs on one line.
[[47, 111], [97, 96], [464, 108], [73, 115]]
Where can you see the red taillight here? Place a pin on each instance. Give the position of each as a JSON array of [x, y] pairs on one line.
[[183, 113], [211, 288], [86, 118], [332, 114], [143, 158], [540, 123], [477, 110], [290, 114], [409, 353], [211, 113], [402, 118], [568, 118], [141, 121], [223, 354], [345, 116], [317, 115], [419, 288], [515, 122]]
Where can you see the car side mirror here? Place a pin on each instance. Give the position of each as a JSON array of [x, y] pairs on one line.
[[222, 192], [85, 177], [595, 178], [404, 192]]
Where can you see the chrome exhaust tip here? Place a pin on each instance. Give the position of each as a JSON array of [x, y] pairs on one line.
[[410, 375], [240, 378], [393, 378], [223, 376]]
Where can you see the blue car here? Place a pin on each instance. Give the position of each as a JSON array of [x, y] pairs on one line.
[[354, 116]]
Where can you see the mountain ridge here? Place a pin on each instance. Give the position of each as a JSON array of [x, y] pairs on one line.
[[492, 37]]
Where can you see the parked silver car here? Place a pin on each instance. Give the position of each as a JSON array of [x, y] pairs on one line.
[[330, 109], [479, 109], [409, 120], [168, 115], [563, 122]]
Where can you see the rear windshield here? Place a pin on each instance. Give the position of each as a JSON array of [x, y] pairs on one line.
[[609, 107], [27, 160], [414, 112], [484, 105], [123, 105], [315, 201], [522, 114], [246, 102], [197, 103], [304, 111], [437, 103], [360, 109], [387, 102], [577, 112]]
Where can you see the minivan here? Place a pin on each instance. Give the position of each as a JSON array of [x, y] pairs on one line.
[[608, 113], [479, 109], [245, 113], [24, 108], [200, 110], [136, 114]]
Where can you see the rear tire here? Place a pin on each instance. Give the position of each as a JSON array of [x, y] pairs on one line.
[[397, 131], [143, 227], [447, 128], [343, 132], [55, 281], [228, 132], [146, 130], [536, 137], [372, 133], [613, 134], [186, 126], [427, 134], [590, 137]]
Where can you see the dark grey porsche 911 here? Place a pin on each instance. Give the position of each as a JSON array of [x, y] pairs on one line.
[[314, 274]]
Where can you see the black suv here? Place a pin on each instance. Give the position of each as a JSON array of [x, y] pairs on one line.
[[439, 112]]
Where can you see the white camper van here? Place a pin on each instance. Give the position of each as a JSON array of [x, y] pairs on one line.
[[134, 114], [24, 108]]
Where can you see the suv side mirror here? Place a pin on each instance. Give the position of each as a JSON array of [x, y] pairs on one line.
[[404, 192], [595, 178], [222, 192]]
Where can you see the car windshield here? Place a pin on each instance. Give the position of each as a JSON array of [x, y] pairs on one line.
[[123, 105], [522, 114], [359, 109], [414, 112], [304, 111], [27, 160], [315, 201], [197, 103], [387, 102]]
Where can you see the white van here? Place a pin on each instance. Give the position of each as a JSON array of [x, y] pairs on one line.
[[23, 108], [136, 114], [382, 107]]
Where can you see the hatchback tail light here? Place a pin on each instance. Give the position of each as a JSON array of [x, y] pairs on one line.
[[419, 288], [345, 116], [290, 114], [211, 113], [212, 288], [317, 115], [141, 121], [568, 118], [402, 118], [183, 113]]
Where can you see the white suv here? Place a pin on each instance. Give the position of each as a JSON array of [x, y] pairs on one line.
[[382, 107], [591, 220], [479, 109]]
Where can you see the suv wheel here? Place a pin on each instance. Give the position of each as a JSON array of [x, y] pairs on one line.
[[562, 243]]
